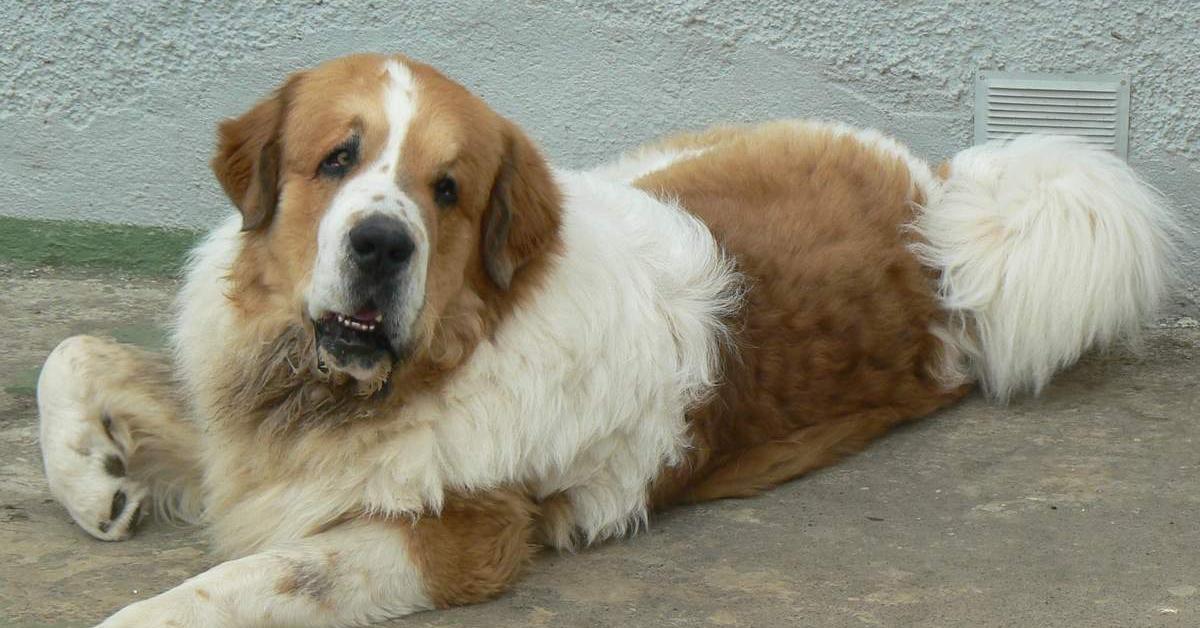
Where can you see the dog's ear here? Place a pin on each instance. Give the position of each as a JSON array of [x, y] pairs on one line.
[[523, 214], [249, 152]]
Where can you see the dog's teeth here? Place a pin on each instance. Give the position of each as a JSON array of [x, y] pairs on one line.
[[350, 322]]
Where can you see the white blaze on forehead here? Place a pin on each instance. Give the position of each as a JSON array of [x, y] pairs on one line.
[[373, 189], [400, 103]]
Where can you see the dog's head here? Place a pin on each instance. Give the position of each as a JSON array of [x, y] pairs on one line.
[[386, 206]]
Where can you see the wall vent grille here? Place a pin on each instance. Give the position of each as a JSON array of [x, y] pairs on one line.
[[1094, 107]]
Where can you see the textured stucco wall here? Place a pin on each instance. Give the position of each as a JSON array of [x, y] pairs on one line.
[[107, 109]]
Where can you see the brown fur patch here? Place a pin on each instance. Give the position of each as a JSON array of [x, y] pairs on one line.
[[474, 548], [834, 344]]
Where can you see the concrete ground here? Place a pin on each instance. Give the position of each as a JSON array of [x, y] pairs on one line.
[[1080, 508]]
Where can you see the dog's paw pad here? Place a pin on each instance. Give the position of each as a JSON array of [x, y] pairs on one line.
[[114, 466], [123, 517]]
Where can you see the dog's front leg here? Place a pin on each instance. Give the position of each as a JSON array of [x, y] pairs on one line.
[[351, 575], [357, 573]]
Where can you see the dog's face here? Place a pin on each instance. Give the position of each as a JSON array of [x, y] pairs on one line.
[[379, 201]]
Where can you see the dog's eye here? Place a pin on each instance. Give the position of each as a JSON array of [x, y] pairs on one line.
[[337, 163], [445, 191]]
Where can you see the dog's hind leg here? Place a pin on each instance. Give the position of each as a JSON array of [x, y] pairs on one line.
[[755, 467], [113, 435]]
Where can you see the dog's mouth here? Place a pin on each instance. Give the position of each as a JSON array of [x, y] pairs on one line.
[[355, 344]]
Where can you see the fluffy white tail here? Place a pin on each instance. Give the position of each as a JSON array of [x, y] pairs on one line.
[[1046, 247]]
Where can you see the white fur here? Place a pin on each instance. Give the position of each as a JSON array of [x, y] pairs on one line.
[[202, 308], [374, 190], [1046, 247]]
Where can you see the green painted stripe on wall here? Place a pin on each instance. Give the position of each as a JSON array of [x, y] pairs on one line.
[[149, 251]]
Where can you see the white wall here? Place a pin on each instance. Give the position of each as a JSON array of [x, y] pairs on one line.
[[107, 109]]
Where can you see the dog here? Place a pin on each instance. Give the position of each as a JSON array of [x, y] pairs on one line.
[[417, 353]]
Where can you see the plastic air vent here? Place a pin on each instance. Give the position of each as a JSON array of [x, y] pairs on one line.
[[1094, 107]]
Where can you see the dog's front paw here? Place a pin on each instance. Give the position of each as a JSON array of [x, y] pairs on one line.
[[85, 449], [87, 474]]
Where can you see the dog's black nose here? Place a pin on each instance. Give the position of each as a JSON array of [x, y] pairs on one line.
[[380, 245]]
